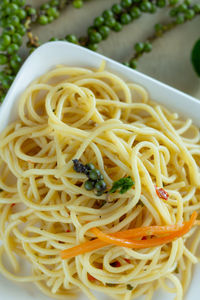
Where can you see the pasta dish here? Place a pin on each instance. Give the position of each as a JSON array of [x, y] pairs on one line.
[[99, 189]]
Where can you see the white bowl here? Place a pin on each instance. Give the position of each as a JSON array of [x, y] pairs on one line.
[[54, 53]]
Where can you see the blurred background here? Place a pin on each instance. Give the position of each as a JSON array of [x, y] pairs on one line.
[[169, 61]]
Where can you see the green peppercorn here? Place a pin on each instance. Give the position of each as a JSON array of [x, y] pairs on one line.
[[21, 29], [31, 11], [90, 166], [173, 2], [98, 21], [5, 3], [117, 27], [110, 22], [182, 7], [5, 83], [5, 40], [189, 14], [93, 47], [104, 31], [139, 47], [15, 61], [13, 48], [95, 37], [11, 8], [52, 12], [77, 3], [100, 186], [44, 6], [187, 2], [161, 3], [89, 185], [197, 8], [53, 39], [153, 8], [50, 19], [94, 174], [3, 59], [2, 47], [43, 20], [117, 9], [10, 29], [19, 2], [54, 2], [126, 3], [13, 20], [132, 63], [135, 12], [21, 13], [17, 39], [71, 38], [107, 14], [180, 19], [147, 47], [173, 12], [125, 19], [145, 6]]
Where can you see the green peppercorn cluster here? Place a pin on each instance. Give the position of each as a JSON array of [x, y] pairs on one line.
[[95, 178], [16, 19], [179, 14]]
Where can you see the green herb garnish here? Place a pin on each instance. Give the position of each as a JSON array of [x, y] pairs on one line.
[[123, 185], [129, 287], [60, 89], [96, 179], [110, 284]]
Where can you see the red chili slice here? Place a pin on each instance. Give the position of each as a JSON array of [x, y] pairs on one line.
[[116, 264], [91, 278], [162, 193]]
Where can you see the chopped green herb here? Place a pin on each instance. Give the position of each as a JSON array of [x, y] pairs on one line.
[[129, 287], [123, 185], [110, 284], [60, 89]]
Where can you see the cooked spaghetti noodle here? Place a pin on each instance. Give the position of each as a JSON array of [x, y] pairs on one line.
[[96, 117]]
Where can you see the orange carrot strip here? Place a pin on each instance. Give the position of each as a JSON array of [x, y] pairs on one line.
[[139, 244], [175, 230], [83, 248]]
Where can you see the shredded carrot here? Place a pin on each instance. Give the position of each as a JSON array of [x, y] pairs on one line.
[[140, 244], [83, 248], [121, 238]]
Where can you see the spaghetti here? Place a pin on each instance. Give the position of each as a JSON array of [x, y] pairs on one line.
[[96, 117]]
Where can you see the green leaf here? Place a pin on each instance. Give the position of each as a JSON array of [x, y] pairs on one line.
[[195, 57], [123, 185]]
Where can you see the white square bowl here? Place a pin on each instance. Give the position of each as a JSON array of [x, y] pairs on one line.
[[55, 53]]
